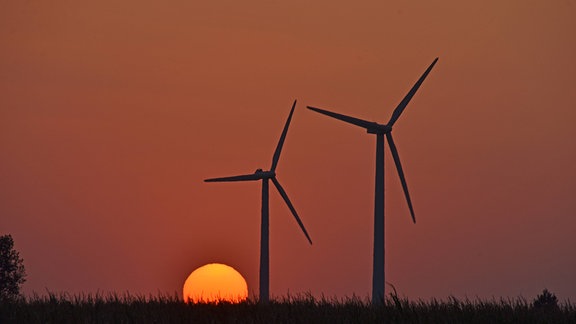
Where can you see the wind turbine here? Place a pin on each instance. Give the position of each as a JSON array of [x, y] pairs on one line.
[[264, 224], [381, 130]]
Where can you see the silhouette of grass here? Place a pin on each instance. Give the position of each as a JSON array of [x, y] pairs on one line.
[[115, 308]]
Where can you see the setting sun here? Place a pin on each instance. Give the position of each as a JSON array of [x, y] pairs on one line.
[[215, 282]]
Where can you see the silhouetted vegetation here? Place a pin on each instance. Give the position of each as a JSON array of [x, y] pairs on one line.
[[302, 309], [546, 300], [12, 273]]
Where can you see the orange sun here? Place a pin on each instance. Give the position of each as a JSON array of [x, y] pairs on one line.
[[214, 283]]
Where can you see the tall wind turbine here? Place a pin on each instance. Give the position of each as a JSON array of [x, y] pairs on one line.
[[264, 224], [380, 131]]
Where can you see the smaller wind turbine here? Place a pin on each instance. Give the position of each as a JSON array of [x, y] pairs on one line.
[[264, 224], [381, 131]]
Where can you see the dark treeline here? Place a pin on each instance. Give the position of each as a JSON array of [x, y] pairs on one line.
[[303, 309]]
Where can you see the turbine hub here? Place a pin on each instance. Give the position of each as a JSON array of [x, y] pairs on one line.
[[265, 174], [379, 129]]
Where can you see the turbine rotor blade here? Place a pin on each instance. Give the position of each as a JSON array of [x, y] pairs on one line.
[[400, 108], [396, 157], [287, 200], [344, 118], [276, 156], [244, 177]]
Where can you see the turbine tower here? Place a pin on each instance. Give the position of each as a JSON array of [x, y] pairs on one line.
[[381, 130], [265, 176]]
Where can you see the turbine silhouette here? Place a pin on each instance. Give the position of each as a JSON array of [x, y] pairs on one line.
[[380, 131], [264, 225]]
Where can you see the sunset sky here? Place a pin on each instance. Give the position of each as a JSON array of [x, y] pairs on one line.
[[113, 112]]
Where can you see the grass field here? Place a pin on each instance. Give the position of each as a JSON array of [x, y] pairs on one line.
[[302, 309]]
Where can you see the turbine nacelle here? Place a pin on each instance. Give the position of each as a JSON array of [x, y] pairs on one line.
[[378, 129], [265, 174]]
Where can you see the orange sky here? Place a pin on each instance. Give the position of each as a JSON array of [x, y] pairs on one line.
[[112, 113]]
